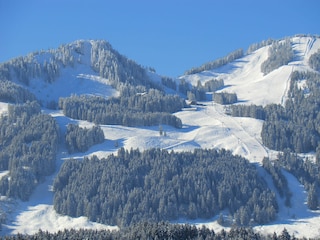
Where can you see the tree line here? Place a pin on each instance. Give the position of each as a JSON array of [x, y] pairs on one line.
[[225, 98], [255, 46], [156, 185], [295, 126], [306, 171], [160, 230], [217, 63], [142, 109], [169, 83], [279, 180], [198, 92], [117, 68], [28, 144], [314, 61], [13, 93], [280, 53], [81, 139], [252, 111]]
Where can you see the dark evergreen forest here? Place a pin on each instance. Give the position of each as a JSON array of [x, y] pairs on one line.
[[81, 139], [279, 180], [252, 111], [225, 98], [13, 93], [314, 61], [217, 63], [306, 171], [198, 93], [280, 53], [142, 109], [157, 185], [296, 126], [28, 147]]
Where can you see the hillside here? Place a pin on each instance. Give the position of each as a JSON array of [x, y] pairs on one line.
[[244, 76], [81, 67], [93, 68]]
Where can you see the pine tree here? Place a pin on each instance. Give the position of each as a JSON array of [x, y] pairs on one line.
[[284, 235], [312, 201]]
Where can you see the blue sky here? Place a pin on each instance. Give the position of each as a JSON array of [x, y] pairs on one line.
[[170, 35]]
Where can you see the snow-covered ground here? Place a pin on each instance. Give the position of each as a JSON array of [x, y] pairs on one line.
[[72, 81], [3, 108], [207, 126]]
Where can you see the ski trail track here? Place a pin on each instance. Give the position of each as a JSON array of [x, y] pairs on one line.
[[253, 149], [212, 128]]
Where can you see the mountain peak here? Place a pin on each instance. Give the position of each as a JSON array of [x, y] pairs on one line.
[[55, 70]]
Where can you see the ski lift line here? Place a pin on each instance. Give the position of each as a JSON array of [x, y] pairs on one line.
[[240, 142], [259, 143]]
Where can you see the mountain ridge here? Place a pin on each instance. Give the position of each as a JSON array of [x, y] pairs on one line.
[[84, 57]]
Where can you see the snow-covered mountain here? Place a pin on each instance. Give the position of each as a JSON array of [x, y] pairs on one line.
[[94, 68], [81, 67]]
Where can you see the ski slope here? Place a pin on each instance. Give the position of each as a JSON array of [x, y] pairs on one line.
[[244, 77], [205, 126], [78, 80]]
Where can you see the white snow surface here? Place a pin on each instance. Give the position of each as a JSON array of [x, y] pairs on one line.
[[78, 80], [3, 108], [205, 127]]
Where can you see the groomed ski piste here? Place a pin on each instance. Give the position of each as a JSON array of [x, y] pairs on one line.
[[206, 126]]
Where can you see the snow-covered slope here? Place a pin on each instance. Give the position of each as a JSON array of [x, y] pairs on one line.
[[72, 81], [77, 77], [205, 126], [244, 76]]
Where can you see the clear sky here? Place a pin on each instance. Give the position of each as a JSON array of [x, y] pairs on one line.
[[169, 35]]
